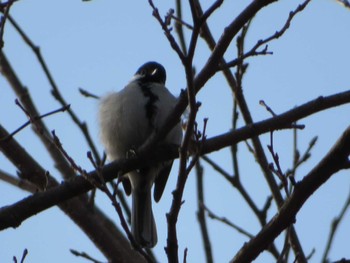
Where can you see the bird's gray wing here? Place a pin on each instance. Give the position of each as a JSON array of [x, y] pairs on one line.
[[126, 185], [161, 179]]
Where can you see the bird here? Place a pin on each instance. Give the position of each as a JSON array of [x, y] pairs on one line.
[[127, 119]]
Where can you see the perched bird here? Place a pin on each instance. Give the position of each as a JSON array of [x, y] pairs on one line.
[[127, 118]]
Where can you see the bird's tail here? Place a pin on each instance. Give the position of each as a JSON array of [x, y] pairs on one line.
[[143, 226]]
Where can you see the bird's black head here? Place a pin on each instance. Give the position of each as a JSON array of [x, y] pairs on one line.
[[151, 72]]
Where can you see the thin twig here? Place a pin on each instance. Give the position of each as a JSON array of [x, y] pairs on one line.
[[5, 6], [201, 214], [313, 250], [187, 61], [235, 181], [25, 253], [32, 119], [84, 255], [184, 170], [299, 160], [204, 17], [55, 90], [20, 183], [334, 161], [121, 197], [237, 184], [262, 103], [234, 147], [334, 227], [70, 160], [268, 108], [218, 49], [253, 51], [185, 254], [276, 160], [167, 31], [217, 168], [228, 222], [112, 197], [77, 185], [178, 20], [286, 248], [88, 94], [179, 27], [100, 229], [208, 70], [41, 130]]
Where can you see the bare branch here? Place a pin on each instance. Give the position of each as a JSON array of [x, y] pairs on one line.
[[55, 90], [262, 103], [227, 222], [184, 170], [334, 228], [284, 120], [235, 182], [93, 222], [277, 171], [201, 213], [336, 159], [211, 10], [299, 160], [84, 255], [88, 94], [79, 185], [254, 50], [210, 67], [41, 130], [112, 197], [259, 152], [5, 8], [33, 119], [22, 184], [167, 31], [25, 253]]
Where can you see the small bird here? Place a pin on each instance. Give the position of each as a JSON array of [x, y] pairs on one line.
[[127, 118]]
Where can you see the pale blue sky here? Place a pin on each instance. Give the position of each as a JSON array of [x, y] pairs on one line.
[[99, 45]]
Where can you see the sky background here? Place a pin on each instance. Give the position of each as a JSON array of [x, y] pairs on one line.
[[99, 45]]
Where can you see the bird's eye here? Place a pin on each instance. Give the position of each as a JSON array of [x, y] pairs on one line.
[[154, 71]]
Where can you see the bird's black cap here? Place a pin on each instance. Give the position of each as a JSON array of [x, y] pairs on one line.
[[151, 72]]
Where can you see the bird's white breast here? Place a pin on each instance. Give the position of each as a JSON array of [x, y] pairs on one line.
[[123, 121]]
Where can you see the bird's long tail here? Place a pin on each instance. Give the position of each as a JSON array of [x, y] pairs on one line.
[[143, 226]]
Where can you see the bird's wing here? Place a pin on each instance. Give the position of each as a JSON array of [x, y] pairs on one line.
[[161, 179], [126, 185]]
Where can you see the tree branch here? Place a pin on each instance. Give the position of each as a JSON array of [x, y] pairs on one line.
[[40, 128], [201, 213], [336, 159], [334, 228], [209, 69], [92, 221], [13, 215], [55, 90]]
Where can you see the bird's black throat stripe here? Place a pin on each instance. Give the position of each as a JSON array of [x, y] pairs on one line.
[[151, 108]]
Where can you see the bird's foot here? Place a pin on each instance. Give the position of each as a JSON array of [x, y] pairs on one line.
[[131, 154]]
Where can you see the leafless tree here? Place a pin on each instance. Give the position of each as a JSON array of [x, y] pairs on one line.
[[75, 195]]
